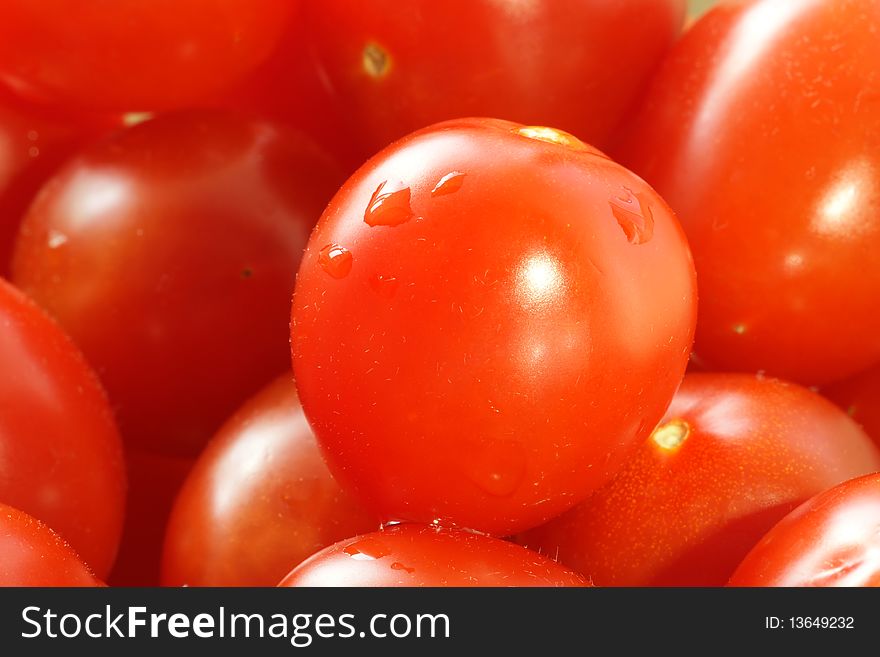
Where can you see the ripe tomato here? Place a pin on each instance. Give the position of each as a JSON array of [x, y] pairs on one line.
[[153, 483], [487, 318], [31, 554], [34, 142], [288, 88], [134, 55], [762, 131], [859, 396], [169, 253], [60, 453], [831, 540], [732, 456], [574, 64], [416, 555], [258, 501]]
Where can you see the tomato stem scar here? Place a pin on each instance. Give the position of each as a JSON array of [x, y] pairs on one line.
[[671, 436]]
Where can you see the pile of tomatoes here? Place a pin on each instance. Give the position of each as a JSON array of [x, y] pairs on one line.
[[621, 329]]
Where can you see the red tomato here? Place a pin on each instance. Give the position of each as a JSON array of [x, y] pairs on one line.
[[60, 453], [416, 555], [762, 131], [153, 483], [288, 88], [732, 456], [131, 54], [487, 318], [574, 64], [259, 500], [831, 540], [31, 554], [33, 144], [169, 253], [859, 396]]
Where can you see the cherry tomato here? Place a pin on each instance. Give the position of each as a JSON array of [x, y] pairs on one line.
[[574, 64], [732, 456], [762, 131], [259, 500], [169, 253], [288, 88], [859, 396], [31, 554], [134, 55], [488, 317], [34, 142], [418, 555], [60, 453], [831, 540], [153, 483]]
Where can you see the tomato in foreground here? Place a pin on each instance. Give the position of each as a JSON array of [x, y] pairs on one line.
[[578, 65], [258, 501], [487, 319], [34, 143], [169, 253], [831, 540], [31, 554], [732, 456], [859, 396], [132, 55], [60, 453], [418, 555], [762, 132]]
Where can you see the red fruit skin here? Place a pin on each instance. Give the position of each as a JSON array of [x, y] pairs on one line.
[[761, 129], [31, 554], [418, 555], [484, 326], [687, 515], [61, 452], [259, 500], [831, 540]]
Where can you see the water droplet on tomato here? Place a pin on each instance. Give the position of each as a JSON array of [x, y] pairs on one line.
[[399, 566], [367, 549], [56, 239], [497, 467], [634, 215], [389, 205], [448, 184], [384, 285], [335, 260]]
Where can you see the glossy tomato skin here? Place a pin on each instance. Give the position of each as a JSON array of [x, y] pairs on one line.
[[35, 143], [762, 131], [259, 500], [130, 55], [61, 452], [859, 396], [831, 540], [169, 253], [575, 64], [685, 514], [485, 323], [417, 555], [153, 483], [31, 554]]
